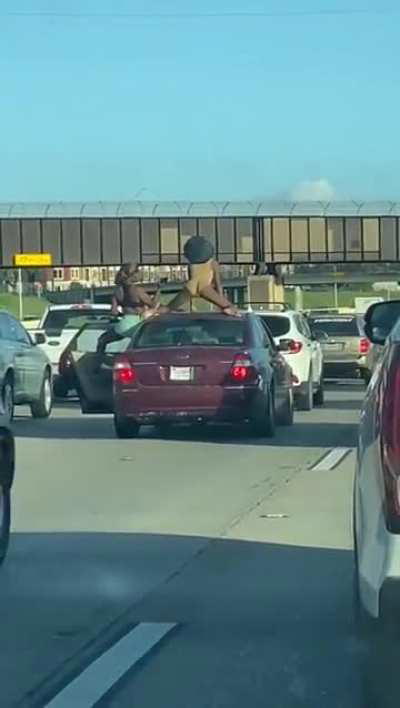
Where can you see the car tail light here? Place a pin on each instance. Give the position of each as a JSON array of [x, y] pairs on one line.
[[364, 345], [294, 347], [123, 372], [390, 445], [243, 369]]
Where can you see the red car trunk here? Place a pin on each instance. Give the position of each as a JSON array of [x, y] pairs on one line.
[[185, 380]]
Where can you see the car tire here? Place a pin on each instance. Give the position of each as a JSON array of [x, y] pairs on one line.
[[60, 388], [305, 398], [42, 407], [263, 421], [319, 395], [7, 398], [126, 428], [286, 414], [5, 521]]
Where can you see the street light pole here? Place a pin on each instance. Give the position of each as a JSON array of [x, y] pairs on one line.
[[21, 303]]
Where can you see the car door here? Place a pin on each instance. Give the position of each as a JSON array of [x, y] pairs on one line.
[[314, 347], [6, 347], [273, 360], [94, 376], [29, 362]]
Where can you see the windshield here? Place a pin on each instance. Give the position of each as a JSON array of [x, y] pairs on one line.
[[58, 320], [278, 326], [336, 327], [191, 333]]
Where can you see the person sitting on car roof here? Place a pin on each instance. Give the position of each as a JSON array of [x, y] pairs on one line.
[[134, 302], [204, 278]]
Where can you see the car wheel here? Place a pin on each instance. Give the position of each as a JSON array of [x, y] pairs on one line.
[[319, 395], [60, 388], [263, 422], [125, 428], [5, 520], [42, 407], [305, 399], [286, 414], [8, 399]]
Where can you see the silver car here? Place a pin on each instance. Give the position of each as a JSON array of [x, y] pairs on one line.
[[25, 370]]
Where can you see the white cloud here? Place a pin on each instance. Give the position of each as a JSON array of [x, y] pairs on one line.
[[315, 190]]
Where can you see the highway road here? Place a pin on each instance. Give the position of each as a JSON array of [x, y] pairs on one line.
[[203, 570]]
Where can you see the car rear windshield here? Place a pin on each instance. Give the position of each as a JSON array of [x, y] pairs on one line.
[[193, 332], [278, 326], [57, 320], [335, 326]]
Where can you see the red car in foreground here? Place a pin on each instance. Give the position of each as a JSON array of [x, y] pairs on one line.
[[184, 368]]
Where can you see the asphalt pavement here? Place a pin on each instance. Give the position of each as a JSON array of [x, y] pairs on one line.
[[199, 570]]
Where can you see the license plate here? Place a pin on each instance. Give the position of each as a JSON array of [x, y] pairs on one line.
[[333, 347], [180, 373]]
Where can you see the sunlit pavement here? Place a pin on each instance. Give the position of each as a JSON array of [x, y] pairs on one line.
[[238, 543]]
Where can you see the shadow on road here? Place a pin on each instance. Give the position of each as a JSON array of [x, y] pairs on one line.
[[259, 619]]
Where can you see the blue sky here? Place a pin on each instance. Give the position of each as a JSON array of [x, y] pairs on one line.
[[199, 107]]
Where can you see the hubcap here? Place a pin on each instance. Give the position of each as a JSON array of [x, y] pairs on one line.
[[47, 393]]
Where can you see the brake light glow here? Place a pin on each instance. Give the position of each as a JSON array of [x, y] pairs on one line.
[[295, 347], [364, 345], [390, 444], [242, 369], [123, 372]]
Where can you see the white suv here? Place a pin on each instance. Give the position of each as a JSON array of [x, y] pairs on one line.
[[59, 324], [303, 353]]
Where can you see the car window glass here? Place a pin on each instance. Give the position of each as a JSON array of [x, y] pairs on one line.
[[278, 325], [18, 333], [336, 326], [5, 330], [58, 320], [88, 338], [199, 332], [268, 341], [305, 329]]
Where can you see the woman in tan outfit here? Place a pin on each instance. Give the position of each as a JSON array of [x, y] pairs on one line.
[[204, 277]]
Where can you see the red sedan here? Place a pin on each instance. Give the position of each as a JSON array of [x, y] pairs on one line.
[[202, 367]]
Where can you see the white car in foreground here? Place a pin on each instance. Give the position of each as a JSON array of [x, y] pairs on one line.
[[59, 324], [303, 353], [376, 500]]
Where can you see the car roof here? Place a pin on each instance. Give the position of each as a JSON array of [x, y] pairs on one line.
[[177, 316], [80, 306]]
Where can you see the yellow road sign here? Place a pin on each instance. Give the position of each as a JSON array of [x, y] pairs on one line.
[[33, 260]]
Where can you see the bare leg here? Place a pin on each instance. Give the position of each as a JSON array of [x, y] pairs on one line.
[[182, 298]]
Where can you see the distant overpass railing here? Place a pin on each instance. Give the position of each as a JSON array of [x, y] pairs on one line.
[[154, 233]]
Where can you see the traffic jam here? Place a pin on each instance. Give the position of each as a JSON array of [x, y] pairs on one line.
[[255, 368]]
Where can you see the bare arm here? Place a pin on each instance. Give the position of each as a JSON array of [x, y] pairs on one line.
[[217, 278], [139, 294]]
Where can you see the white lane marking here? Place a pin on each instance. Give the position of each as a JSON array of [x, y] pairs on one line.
[[332, 459], [104, 672]]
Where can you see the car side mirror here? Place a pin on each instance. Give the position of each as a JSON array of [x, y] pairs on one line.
[[380, 319], [39, 338]]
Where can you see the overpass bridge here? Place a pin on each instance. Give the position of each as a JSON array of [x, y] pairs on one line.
[[154, 233]]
